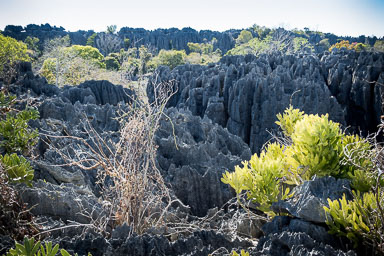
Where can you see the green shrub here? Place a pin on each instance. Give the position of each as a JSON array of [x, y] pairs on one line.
[[355, 219], [91, 40], [242, 253], [171, 58], [72, 65], [112, 63], [315, 146], [244, 37], [261, 177], [15, 132], [11, 52], [87, 53], [254, 46], [32, 248], [18, 168], [379, 45], [300, 43]]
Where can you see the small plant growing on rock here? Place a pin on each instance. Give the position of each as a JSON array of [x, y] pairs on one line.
[[32, 248]]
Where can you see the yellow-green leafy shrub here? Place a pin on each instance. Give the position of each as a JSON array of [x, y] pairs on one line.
[[242, 253], [171, 58], [357, 219], [314, 145], [11, 52], [261, 177]]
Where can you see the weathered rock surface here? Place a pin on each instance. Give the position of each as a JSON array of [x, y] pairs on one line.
[[310, 197], [194, 156], [244, 93], [66, 202]]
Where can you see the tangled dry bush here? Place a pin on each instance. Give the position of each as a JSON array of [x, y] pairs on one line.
[[133, 190]]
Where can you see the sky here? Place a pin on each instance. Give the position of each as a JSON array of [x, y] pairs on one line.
[[341, 17]]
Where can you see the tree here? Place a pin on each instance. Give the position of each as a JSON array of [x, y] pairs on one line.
[[244, 37], [171, 58], [11, 53], [108, 43], [91, 39], [111, 29]]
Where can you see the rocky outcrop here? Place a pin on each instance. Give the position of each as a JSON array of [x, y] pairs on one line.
[[305, 233], [193, 157], [244, 93], [45, 32], [174, 38]]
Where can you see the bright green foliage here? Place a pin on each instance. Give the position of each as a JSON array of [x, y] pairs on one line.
[[288, 121], [30, 248], [261, 177], [242, 253], [17, 136], [316, 147], [349, 46], [357, 150], [353, 218], [254, 46], [15, 133], [11, 52], [91, 40], [18, 168], [87, 53], [244, 37], [171, 58], [48, 70]]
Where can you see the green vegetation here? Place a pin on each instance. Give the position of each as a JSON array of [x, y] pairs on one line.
[[16, 137], [261, 177], [171, 58], [244, 37], [254, 46], [349, 46], [242, 253], [17, 168], [379, 46], [32, 248], [11, 53], [352, 218], [316, 148], [300, 44], [91, 40], [71, 65]]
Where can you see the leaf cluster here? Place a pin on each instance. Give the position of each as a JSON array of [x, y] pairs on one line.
[[355, 219], [32, 248]]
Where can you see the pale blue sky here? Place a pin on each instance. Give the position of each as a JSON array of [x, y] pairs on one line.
[[341, 17]]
